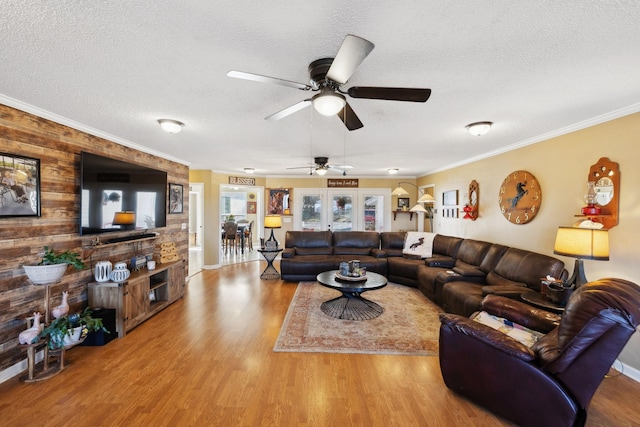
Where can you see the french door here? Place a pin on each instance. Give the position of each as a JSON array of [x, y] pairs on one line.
[[342, 209]]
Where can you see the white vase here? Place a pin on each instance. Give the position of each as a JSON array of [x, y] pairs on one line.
[[119, 275], [102, 271]]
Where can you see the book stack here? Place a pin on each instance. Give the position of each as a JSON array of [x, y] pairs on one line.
[[167, 252]]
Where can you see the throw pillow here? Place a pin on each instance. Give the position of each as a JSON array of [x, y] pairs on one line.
[[418, 243]]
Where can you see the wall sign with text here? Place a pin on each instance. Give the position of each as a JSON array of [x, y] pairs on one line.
[[342, 183], [241, 180]]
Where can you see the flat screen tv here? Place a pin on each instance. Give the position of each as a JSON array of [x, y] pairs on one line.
[[109, 186]]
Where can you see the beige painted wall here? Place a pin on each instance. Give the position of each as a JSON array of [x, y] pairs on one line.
[[561, 165], [212, 182]]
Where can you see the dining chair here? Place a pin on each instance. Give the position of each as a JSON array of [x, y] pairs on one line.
[[230, 236], [248, 236]]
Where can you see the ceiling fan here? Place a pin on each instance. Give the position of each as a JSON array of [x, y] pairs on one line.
[[328, 75], [321, 166]]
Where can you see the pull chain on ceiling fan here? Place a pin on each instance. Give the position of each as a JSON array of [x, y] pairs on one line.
[[328, 75]]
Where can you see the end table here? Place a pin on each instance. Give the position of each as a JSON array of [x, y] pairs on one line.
[[270, 272]]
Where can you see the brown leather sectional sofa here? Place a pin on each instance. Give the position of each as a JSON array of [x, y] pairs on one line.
[[457, 276]]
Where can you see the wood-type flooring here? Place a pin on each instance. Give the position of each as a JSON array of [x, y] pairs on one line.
[[207, 360]]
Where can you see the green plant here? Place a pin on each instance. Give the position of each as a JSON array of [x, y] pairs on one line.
[[63, 326], [50, 257]]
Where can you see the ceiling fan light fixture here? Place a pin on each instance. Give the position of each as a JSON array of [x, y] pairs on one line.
[[328, 103], [321, 171], [479, 128], [171, 126]]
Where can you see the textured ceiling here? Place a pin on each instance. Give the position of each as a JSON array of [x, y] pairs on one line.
[[113, 68]]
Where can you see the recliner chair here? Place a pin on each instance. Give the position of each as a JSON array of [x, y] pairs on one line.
[[551, 383]]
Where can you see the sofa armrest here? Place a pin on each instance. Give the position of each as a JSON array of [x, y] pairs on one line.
[[508, 291], [487, 335], [378, 253], [288, 252], [440, 261], [469, 272], [523, 314]]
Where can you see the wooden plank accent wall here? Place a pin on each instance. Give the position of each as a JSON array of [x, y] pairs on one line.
[[22, 238]]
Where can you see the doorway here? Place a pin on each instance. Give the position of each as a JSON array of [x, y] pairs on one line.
[[196, 214], [244, 205]]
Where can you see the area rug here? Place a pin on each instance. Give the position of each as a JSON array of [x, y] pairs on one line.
[[409, 324]]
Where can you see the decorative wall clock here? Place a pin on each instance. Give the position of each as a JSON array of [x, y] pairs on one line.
[[520, 197]]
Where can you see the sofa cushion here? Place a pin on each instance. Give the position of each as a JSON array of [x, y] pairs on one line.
[[472, 252], [355, 242], [520, 266], [446, 245], [308, 239], [313, 251], [392, 241]]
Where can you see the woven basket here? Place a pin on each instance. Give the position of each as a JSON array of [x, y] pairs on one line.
[[45, 274]]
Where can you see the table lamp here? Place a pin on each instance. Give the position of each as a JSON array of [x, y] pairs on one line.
[[124, 219], [581, 243], [272, 221]]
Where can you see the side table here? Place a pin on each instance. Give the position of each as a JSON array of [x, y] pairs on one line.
[[270, 272], [539, 300]]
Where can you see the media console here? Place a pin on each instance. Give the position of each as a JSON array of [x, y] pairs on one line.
[[144, 294]]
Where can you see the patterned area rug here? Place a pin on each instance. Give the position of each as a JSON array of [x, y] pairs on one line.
[[408, 326]]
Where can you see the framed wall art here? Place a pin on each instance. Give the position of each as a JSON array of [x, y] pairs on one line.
[[403, 203], [19, 185], [279, 201], [251, 207], [450, 198], [175, 198]]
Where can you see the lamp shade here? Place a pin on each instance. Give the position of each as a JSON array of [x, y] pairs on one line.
[[272, 221], [124, 218], [582, 243], [426, 198], [418, 208], [399, 191]]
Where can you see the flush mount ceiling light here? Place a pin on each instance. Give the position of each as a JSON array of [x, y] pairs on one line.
[[393, 171], [328, 103], [249, 170], [479, 128], [170, 126]]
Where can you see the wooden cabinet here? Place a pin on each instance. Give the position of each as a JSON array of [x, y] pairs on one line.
[[141, 296]]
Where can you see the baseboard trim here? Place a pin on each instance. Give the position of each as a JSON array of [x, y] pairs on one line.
[[629, 371], [18, 368]]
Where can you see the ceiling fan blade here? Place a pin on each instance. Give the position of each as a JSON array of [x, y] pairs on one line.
[[351, 121], [353, 51], [390, 93], [265, 79], [340, 167], [289, 110]]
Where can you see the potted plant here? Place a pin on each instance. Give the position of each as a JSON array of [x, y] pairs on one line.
[[52, 266], [67, 331]]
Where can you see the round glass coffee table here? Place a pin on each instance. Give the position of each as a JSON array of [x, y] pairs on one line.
[[351, 305]]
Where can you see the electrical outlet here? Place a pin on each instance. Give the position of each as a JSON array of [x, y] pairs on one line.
[[184, 225]]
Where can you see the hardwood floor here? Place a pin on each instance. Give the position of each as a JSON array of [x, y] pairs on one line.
[[207, 360]]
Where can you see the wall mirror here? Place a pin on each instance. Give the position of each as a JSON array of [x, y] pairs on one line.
[[474, 199], [605, 175]]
